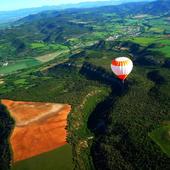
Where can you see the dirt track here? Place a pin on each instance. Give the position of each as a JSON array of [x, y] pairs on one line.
[[40, 127]]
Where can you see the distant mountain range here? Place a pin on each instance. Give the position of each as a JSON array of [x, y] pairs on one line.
[[159, 7], [10, 16]]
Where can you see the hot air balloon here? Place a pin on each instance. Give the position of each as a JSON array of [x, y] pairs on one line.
[[121, 67]]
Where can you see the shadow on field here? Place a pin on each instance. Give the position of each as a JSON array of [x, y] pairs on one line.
[[99, 119], [6, 127]]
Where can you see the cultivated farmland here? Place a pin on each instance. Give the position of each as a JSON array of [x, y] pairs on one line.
[[39, 125]]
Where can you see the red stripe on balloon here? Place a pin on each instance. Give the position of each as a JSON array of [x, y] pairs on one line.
[[120, 63], [122, 77]]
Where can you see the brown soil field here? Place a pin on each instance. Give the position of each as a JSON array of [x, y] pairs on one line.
[[39, 127], [51, 56]]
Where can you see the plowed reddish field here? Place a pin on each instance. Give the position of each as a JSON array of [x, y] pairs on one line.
[[39, 128]]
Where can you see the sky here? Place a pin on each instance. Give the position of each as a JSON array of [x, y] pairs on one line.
[[6, 5]]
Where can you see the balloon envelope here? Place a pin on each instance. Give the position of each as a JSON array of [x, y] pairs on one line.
[[121, 67]]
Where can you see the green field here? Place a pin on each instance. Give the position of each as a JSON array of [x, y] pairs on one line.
[[165, 49], [164, 43], [161, 137], [156, 30], [44, 46], [163, 46], [144, 40], [21, 64], [59, 159]]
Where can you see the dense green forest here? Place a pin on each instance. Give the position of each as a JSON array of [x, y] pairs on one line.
[[6, 126], [65, 57]]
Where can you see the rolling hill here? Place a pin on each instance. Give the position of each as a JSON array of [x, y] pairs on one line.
[[61, 26], [11, 16]]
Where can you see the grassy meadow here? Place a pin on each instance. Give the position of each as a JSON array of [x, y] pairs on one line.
[[161, 137], [58, 159], [19, 65]]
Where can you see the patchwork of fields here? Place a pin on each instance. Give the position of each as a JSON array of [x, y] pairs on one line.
[[66, 59], [60, 159], [18, 65]]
